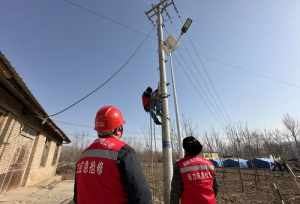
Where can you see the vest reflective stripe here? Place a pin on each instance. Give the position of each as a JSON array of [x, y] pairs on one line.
[[106, 154], [195, 168]]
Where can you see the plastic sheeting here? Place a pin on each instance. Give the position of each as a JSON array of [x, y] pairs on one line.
[[262, 163], [217, 163], [235, 163]]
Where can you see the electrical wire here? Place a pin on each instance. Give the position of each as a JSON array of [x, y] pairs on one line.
[[215, 94], [73, 124], [115, 22], [206, 88], [106, 81], [199, 90], [227, 115], [256, 74], [201, 87], [105, 17], [209, 86], [90, 127], [241, 68], [208, 82], [208, 94]]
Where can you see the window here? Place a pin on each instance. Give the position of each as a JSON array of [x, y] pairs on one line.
[[45, 153], [55, 154], [28, 132]]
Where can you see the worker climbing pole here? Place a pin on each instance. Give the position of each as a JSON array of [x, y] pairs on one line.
[[155, 14]]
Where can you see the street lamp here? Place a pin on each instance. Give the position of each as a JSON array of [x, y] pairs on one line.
[[171, 43], [186, 26]]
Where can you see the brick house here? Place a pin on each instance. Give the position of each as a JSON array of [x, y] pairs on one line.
[[29, 145]]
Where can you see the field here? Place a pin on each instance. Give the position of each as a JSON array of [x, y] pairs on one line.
[[256, 187], [245, 186]]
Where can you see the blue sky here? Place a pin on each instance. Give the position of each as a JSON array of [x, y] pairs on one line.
[[249, 48]]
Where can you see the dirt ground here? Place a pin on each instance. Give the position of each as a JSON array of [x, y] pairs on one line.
[[254, 187], [54, 193]]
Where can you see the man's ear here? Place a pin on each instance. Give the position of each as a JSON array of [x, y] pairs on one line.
[[119, 132]]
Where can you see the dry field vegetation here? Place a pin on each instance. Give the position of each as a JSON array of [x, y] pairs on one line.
[[256, 187], [237, 187]]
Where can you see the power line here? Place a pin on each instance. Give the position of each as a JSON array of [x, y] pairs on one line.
[[211, 87], [106, 81], [74, 124], [211, 95], [199, 90], [210, 84], [91, 127], [105, 17], [227, 115], [239, 67], [205, 90], [260, 75]]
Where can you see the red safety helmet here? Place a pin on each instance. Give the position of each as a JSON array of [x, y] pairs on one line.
[[108, 119]]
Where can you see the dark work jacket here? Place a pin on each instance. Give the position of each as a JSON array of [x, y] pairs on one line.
[[133, 179]]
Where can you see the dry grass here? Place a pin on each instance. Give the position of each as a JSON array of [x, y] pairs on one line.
[[258, 186]]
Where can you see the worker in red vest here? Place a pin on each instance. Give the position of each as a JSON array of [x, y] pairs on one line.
[[151, 104], [146, 99], [194, 179], [108, 171]]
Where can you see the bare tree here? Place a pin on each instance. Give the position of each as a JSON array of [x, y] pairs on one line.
[[208, 142], [72, 152], [293, 129], [218, 142], [188, 127]]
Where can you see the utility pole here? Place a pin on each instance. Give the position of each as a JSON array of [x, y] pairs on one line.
[[179, 136], [156, 13]]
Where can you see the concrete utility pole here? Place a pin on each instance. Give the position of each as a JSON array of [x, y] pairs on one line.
[[166, 137], [179, 136], [156, 12]]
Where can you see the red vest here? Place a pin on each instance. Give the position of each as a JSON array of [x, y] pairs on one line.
[[146, 102], [197, 175], [97, 176]]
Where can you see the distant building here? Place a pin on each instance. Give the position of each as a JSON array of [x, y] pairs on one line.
[[29, 146], [210, 155]]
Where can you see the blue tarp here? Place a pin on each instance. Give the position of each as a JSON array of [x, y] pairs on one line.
[[242, 163], [217, 163], [264, 163]]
